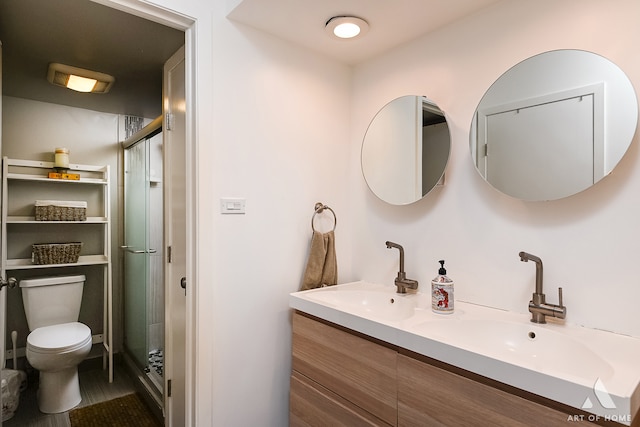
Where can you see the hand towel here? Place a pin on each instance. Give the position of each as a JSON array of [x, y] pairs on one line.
[[322, 266]]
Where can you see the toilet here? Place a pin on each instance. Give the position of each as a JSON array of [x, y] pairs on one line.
[[57, 342]]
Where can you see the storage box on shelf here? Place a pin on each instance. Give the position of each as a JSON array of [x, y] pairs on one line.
[[56, 253], [71, 211], [60, 210]]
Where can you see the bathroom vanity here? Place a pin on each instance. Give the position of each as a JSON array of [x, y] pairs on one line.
[[361, 357]]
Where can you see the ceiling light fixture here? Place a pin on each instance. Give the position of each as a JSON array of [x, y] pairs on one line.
[[346, 27], [79, 79]]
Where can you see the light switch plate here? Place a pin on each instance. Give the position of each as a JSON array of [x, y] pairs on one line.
[[232, 205]]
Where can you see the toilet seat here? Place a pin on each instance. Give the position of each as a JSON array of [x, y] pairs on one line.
[[60, 338]]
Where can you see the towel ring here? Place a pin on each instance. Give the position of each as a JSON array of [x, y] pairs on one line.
[[319, 208]]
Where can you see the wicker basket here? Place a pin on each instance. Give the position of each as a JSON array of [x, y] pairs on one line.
[[59, 210], [55, 253]]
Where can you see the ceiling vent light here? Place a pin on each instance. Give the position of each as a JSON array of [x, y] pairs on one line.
[[79, 79], [346, 27]]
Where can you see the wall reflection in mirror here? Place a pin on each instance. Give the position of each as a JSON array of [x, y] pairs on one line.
[[405, 150], [553, 125]]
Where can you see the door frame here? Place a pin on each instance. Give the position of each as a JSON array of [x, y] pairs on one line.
[[187, 24], [174, 264], [3, 291]]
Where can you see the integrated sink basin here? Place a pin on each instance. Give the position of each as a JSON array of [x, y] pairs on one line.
[[591, 370], [537, 348], [368, 300]]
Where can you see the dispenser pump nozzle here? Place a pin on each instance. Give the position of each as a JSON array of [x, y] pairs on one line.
[[442, 270]]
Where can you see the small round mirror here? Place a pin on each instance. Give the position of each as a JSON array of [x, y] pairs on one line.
[[553, 125], [405, 150]]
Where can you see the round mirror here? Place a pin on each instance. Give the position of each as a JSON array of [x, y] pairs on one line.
[[405, 150], [553, 125]]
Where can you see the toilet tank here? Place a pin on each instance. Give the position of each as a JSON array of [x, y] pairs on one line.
[[52, 300]]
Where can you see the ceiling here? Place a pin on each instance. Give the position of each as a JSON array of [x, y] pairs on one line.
[[391, 22], [86, 35]]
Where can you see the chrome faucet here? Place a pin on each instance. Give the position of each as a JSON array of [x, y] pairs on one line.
[[401, 282], [538, 306]]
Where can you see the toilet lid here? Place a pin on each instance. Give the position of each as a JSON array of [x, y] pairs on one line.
[[59, 338]]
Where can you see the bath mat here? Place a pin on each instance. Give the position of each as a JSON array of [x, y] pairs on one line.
[[124, 411]]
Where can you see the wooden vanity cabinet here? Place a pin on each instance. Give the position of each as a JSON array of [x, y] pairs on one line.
[[343, 378], [347, 373]]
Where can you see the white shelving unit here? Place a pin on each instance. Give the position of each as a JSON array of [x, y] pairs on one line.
[[24, 181]]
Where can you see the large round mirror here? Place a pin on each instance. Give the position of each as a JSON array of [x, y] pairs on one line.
[[553, 125], [405, 150]]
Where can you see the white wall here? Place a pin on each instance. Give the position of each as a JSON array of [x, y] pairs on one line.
[[280, 140], [589, 242]]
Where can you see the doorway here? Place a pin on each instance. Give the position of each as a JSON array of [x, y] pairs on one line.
[[178, 164], [179, 304], [164, 16]]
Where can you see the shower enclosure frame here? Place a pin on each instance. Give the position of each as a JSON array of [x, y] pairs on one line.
[[137, 253]]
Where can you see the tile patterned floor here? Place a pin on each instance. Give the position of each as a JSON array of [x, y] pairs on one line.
[[156, 362], [155, 368], [94, 388]]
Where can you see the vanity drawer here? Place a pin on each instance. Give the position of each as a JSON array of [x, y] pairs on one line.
[[359, 370], [431, 396], [310, 404]]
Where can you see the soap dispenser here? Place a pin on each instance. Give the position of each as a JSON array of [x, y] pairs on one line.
[[442, 292]]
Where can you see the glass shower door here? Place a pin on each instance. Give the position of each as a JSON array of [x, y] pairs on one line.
[[136, 251]]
